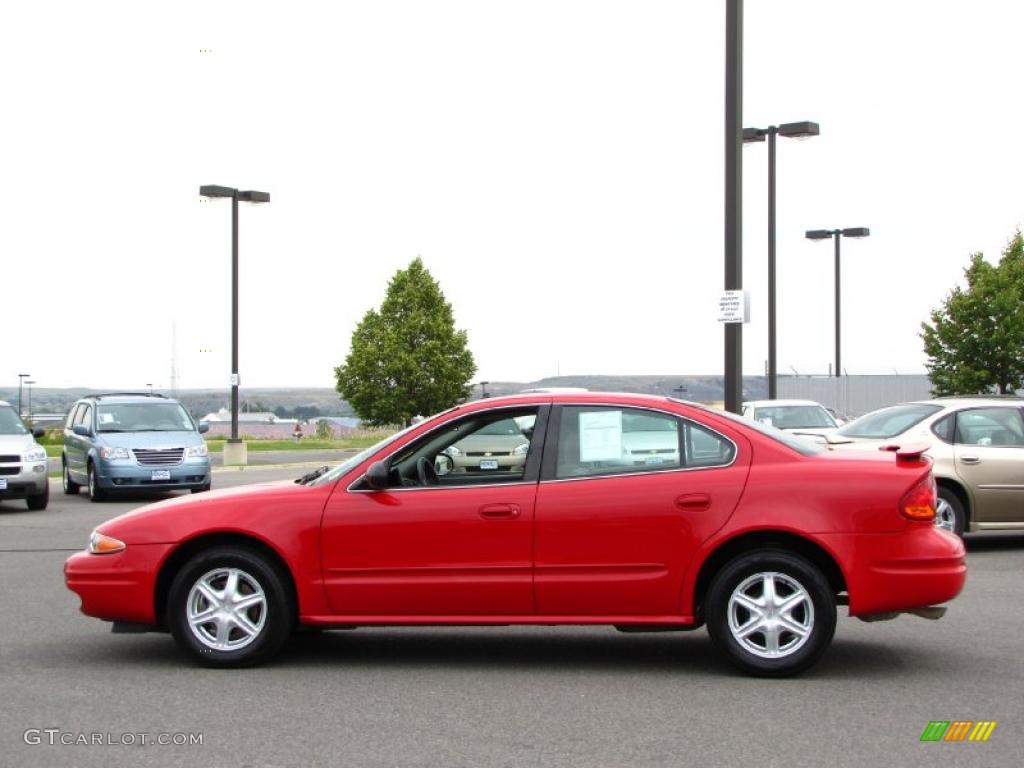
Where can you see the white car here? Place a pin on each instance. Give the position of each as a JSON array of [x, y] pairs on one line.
[[801, 417], [23, 461]]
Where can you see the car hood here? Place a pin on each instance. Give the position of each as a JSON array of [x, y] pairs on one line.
[[228, 509], [152, 440], [16, 443]]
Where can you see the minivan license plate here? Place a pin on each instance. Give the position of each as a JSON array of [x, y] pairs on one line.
[[161, 474], [3, 483], [488, 464]]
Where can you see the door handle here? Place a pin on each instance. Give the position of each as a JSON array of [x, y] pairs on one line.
[[970, 460], [694, 502], [499, 511]]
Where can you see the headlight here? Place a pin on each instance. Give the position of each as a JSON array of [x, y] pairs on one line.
[[196, 451], [104, 545], [521, 450], [451, 450], [114, 453], [34, 454]]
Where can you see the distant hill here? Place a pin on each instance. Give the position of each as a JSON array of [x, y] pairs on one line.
[[326, 400]]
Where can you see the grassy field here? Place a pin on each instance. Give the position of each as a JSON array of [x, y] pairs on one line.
[[216, 444]]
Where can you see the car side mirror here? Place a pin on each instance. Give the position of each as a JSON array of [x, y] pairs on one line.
[[378, 475], [204, 426], [38, 432], [81, 429]]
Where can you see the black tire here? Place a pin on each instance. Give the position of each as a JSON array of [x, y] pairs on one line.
[[816, 613], [96, 494], [202, 488], [39, 501], [277, 621], [71, 488], [954, 518]]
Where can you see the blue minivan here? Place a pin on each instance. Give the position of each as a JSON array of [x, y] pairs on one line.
[[133, 442]]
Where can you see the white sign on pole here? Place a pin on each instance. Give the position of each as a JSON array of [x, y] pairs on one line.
[[235, 380], [734, 307]]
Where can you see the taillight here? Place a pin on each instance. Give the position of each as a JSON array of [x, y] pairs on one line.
[[919, 503]]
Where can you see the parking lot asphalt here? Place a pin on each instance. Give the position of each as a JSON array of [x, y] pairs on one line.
[[544, 696]]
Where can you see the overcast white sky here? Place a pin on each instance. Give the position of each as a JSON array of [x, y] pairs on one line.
[[558, 166]]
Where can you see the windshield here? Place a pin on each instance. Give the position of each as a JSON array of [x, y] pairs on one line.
[[794, 416], [10, 424], [889, 422], [143, 417], [800, 446], [350, 464]]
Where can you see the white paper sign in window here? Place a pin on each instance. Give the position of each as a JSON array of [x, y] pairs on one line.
[[600, 436]]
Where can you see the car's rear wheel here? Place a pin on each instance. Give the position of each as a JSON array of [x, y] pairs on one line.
[[39, 501], [771, 612], [95, 492], [70, 486], [949, 512], [230, 607]]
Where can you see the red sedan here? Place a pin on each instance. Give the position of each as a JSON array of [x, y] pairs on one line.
[[645, 513]]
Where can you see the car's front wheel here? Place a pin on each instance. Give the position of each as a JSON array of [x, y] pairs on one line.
[[771, 612], [70, 486], [949, 512], [39, 501], [230, 607], [95, 492]]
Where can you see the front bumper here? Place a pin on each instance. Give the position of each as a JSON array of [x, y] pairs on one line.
[[921, 566], [128, 475], [23, 480], [117, 587]]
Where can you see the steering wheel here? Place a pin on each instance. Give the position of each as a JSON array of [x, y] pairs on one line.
[[426, 472]]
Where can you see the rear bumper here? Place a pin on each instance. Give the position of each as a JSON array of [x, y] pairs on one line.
[[117, 587], [921, 566]]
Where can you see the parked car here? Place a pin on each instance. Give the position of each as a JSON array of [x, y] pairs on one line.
[[132, 442], [744, 528], [497, 447], [802, 417], [22, 461], [977, 444]]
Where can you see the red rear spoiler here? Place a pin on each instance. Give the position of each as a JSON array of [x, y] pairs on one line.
[[912, 452]]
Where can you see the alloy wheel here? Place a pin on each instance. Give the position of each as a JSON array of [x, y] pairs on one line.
[[945, 516], [226, 609], [771, 615]]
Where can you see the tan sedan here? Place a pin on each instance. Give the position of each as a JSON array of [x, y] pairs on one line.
[[977, 444]]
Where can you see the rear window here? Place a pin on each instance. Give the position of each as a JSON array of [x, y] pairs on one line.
[[889, 422], [794, 416]]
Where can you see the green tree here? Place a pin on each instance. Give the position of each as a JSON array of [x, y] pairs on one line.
[[406, 359], [975, 340]]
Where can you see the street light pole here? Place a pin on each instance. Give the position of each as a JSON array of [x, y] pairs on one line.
[[237, 451], [800, 130], [733, 196], [29, 385], [21, 378], [836, 234]]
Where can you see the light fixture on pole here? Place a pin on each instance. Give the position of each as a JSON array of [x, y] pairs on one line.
[[837, 234], [235, 454], [801, 130], [21, 378]]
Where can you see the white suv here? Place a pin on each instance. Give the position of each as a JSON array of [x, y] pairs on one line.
[[22, 461]]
